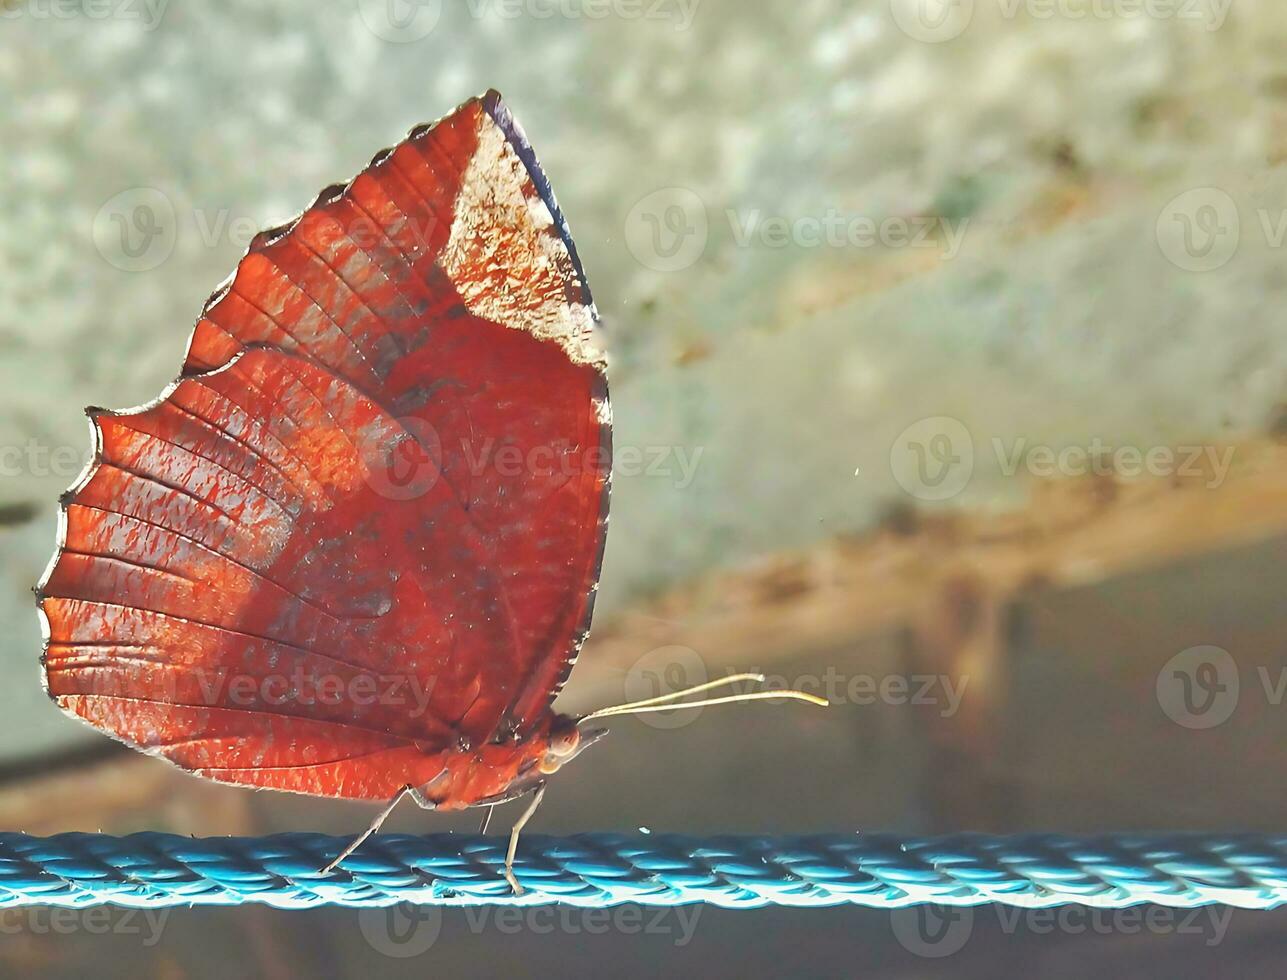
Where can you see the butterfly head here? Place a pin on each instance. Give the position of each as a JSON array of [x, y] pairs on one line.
[[566, 742], [511, 768]]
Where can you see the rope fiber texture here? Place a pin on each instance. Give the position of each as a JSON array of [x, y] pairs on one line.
[[595, 870]]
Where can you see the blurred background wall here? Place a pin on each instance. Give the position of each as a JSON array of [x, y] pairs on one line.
[[948, 371]]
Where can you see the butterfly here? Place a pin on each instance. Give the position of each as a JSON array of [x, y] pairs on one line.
[[353, 550]]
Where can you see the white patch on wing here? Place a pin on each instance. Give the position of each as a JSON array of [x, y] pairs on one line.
[[506, 259]]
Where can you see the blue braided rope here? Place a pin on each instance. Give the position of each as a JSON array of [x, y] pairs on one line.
[[154, 870]]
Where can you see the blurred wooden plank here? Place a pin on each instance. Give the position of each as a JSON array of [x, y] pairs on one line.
[[950, 585], [1073, 532], [121, 792]]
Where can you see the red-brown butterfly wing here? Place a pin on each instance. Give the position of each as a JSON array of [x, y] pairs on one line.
[[366, 527]]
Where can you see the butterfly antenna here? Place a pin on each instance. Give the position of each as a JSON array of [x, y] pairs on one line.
[[666, 702], [709, 685]]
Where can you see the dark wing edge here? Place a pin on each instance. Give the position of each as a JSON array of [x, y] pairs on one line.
[[504, 118], [501, 114]]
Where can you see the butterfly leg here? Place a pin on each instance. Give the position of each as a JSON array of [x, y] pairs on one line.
[[414, 793], [487, 819], [419, 798], [519, 824]]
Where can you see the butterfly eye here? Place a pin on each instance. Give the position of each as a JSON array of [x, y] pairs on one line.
[[564, 745]]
